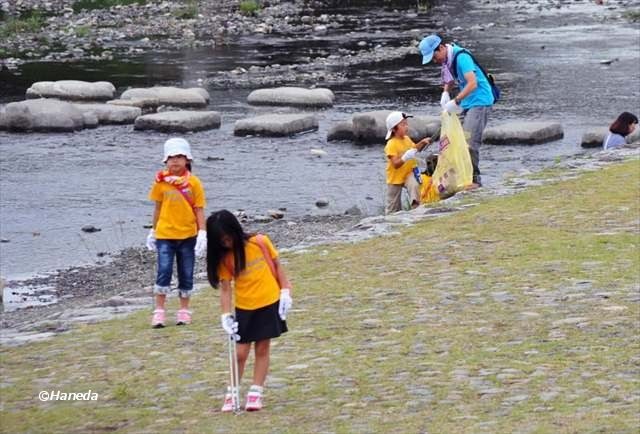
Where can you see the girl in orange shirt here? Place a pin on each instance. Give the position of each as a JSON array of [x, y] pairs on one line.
[[262, 295]]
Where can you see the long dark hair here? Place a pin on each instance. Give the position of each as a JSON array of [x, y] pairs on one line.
[[222, 223], [622, 124]]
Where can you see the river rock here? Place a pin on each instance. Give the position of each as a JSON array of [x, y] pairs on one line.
[[594, 138], [47, 115], [523, 132], [370, 127], [3, 119], [292, 96], [73, 90], [179, 121], [111, 114], [196, 97], [147, 105], [341, 131], [634, 137], [276, 125], [90, 120]]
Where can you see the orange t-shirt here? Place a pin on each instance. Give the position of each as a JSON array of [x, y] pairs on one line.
[[256, 286]]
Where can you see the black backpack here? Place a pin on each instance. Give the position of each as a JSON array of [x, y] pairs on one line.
[[495, 90]]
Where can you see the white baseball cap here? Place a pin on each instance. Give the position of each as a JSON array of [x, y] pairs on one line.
[[177, 146], [394, 119]]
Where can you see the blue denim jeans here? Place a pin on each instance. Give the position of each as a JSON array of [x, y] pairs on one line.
[[184, 252]]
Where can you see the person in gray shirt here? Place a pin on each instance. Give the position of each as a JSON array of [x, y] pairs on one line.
[[624, 125]]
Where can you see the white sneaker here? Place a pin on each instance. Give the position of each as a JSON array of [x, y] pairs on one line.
[[227, 406], [254, 399]]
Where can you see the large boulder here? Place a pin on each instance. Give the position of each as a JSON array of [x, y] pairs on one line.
[[370, 127], [195, 97], [111, 114], [594, 138], [179, 121], [292, 96], [276, 125], [634, 137], [73, 90], [49, 115], [523, 132], [341, 131], [3, 119]]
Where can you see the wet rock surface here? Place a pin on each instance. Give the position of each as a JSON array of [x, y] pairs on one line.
[[44, 115], [72, 90], [277, 125], [292, 96], [179, 121]]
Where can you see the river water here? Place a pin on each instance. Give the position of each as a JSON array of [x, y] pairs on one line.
[[548, 66]]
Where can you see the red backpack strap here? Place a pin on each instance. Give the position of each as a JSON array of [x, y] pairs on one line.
[[267, 255], [188, 198], [229, 264]]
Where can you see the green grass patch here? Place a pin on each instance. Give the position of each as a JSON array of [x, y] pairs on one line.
[[188, 10], [249, 7], [521, 311], [103, 4], [30, 22]]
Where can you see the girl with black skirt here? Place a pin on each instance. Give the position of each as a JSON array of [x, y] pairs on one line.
[[262, 295]]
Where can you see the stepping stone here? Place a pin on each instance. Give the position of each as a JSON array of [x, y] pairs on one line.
[[370, 127], [74, 90], [179, 121], [196, 97], [341, 131], [146, 104], [111, 114], [521, 132], [292, 96], [276, 125], [45, 115], [594, 137]]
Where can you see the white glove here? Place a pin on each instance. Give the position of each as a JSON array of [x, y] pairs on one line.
[[230, 325], [409, 155], [201, 243], [285, 303], [444, 99], [151, 240], [452, 107]]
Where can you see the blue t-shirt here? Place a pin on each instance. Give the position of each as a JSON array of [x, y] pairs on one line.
[[613, 140], [480, 97]]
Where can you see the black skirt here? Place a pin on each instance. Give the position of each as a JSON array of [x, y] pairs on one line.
[[260, 324]]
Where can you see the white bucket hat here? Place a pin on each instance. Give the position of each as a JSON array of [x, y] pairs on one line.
[[177, 146], [394, 119]]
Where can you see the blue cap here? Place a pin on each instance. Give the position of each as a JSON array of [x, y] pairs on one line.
[[427, 46]]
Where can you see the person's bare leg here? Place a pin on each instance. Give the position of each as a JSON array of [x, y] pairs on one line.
[[261, 367]]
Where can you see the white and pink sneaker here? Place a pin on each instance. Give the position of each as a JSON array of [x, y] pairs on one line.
[[158, 319], [183, 317], [254, 398]]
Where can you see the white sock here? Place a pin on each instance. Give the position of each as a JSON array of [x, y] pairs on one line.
[[256, 388]]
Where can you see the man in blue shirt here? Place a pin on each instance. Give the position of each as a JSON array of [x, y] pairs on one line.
[[475, 98]]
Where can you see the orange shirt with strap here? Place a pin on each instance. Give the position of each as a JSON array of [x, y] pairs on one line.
[[256, 286], [177, 220]]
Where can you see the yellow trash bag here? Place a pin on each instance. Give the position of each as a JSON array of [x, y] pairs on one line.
[[428, 191], [454, 171]]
